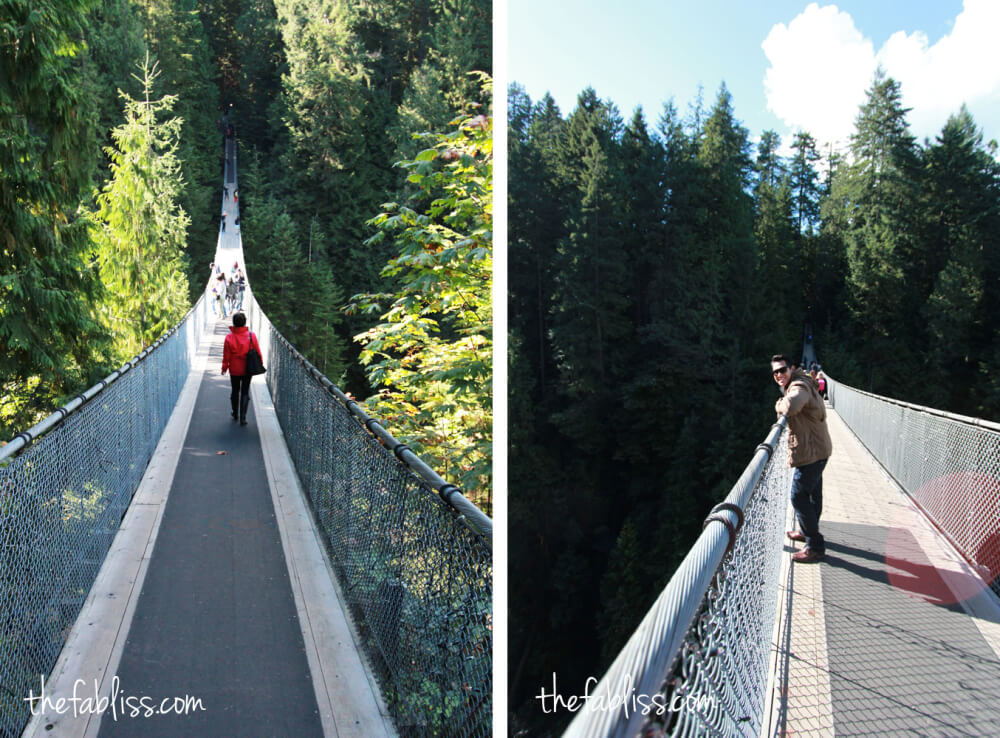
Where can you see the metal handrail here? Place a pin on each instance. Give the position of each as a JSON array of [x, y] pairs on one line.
[[651, 656], [450, 493], [948, 465], [42, 427]]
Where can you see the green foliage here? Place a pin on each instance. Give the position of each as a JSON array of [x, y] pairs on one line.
[[330, 164], [633, 263], [115, 44], [455, 40], [290, 273], [879, 188], [431, 356], [47, 332], [962, 200], [139, 228], [177, 38], [804, 183], [782, 258]]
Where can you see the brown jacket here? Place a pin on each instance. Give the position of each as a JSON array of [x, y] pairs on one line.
[[808, 436]]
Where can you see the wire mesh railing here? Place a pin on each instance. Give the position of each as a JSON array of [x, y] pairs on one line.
[[65, 485], [948, 464], [413, 556], [698, 662]]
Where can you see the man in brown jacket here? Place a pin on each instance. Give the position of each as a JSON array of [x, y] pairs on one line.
[[809, 447]]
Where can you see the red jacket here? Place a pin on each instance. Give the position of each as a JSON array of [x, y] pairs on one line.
[[234, 350]]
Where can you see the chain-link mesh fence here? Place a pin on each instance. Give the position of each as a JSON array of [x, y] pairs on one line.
[[698, 663], [413, 556], [948, 464], [65, 485]]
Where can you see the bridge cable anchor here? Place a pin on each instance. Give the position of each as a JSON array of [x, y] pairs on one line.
[[767, 447], [717, 516], [447, 491]]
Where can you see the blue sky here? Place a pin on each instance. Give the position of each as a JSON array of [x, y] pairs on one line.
[[788, 64]]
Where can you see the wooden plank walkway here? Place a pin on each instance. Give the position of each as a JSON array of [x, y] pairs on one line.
[[892, 634]]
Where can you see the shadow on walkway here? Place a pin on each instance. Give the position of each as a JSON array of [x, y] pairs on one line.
[[903, 655]]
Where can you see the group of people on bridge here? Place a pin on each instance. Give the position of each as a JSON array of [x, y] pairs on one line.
[[227, 292]]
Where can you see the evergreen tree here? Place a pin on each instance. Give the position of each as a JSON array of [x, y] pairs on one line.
[[804, 183], [457, 41], [275, 263], [960, 195], [139, 226], [46, 289], [177, 38], [644, 238], [260, 58], [115, 45], [330, 166], [589, 317], [725, 239], [770, 168], [534, 196], [879, 189], [804, 190], [321, 339], [779, 260], [623, 587]]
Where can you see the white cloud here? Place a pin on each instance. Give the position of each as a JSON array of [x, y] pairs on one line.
[[821, 65]]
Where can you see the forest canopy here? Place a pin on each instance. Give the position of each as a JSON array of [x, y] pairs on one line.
[[111, 177]]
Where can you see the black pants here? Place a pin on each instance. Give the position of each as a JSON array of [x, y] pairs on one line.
[[241, 389]]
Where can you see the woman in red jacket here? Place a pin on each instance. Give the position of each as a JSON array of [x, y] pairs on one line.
[[234, 359]]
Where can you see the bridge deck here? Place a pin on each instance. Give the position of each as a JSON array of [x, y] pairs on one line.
[[216, 618], [216, 587], [890, 634]]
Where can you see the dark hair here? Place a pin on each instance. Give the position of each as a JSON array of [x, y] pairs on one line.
[[239, 320], [782, 357]]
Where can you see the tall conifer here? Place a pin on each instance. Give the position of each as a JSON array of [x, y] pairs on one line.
[[47, 162], [140, 227]]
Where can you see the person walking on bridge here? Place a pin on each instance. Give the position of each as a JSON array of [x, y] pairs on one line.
[[234, 359], [809, 447]]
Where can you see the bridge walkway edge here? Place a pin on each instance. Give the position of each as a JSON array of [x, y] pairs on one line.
[[94, 644]]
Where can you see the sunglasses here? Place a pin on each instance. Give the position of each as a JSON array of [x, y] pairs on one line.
[[780, 370]]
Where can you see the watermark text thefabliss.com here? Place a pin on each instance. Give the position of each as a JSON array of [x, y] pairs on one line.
[[624, 698], [85, 702]]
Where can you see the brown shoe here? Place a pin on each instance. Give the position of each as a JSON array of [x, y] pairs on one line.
[[795, 536], [807, 556]]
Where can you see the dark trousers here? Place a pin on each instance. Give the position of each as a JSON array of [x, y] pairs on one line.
[[807, 499], [241, 389]]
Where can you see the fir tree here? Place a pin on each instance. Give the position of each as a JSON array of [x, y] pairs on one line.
[[879, 189], [804, 183], [177, 39], [589, 313], [46, 289], [961, 198], [139, 226]]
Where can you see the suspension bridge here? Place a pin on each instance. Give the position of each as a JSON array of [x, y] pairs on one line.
[[895, 632], [168, 572]]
